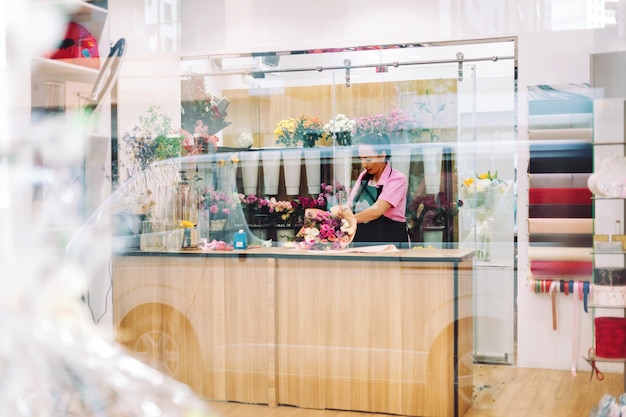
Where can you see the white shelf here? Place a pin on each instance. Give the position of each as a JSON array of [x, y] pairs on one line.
[[57, 70]]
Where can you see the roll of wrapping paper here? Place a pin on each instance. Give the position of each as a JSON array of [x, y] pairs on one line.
[[560, 134], [560, 211], [575, 226], [559, 196], [560, 268], [558, 180], [564, 254]]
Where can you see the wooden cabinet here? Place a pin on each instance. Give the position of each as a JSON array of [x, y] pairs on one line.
[[380, 332]]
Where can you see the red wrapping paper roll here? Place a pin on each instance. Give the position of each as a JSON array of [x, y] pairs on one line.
[[559, 196], [560, 268]]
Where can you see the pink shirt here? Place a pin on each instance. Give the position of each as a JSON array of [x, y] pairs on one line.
[[395, 187]]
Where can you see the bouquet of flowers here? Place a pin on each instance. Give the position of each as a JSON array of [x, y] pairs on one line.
[[326, 230], [340, 128], [281, 211], [245, 140], [219, 203], [285, 133], [200, 105], [430, 210], [369, 124], [200, 141], [402, 124], [308, 130], [485, 191]]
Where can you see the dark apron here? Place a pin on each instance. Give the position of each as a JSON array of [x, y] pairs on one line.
[[383, 229]]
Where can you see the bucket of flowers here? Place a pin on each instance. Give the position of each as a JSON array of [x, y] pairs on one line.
[[326, 230], [340, 129]]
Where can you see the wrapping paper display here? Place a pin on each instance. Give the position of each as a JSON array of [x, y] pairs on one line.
[[563, 226], [560, 224], [559, 196]]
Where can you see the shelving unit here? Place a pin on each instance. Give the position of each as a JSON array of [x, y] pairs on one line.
[[59, 86], [609, 137]]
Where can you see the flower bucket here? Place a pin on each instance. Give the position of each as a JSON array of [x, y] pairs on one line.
[[292, 159], [271, 170], [432, 168], [401, 160], [250, 171], [313, 174], [342, 165], [217, 224]]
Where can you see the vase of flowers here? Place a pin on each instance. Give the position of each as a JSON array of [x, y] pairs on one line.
[[308, 130], [245, 140], [220, 206], [482, 194], [326, 230], [340, 129], [431, 215], [366, 125]]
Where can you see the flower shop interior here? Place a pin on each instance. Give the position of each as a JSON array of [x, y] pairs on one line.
[[162, 170]]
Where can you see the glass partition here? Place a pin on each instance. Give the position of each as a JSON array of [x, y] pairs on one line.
[[423, 96]]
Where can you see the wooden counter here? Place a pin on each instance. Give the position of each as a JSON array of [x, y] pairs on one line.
[[386, 332]]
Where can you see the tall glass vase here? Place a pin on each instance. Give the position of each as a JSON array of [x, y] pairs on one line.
[[484, 234]]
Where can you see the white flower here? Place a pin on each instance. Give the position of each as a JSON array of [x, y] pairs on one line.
[[340, 123], [245, 140], [346, 228], [310, 234]]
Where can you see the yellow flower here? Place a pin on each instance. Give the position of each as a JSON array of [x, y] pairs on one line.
[[468, 182], [483, 176], [220, 163], [234, 159], [186, 224]]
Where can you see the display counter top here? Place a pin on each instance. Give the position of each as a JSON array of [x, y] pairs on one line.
[[354, 254]]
